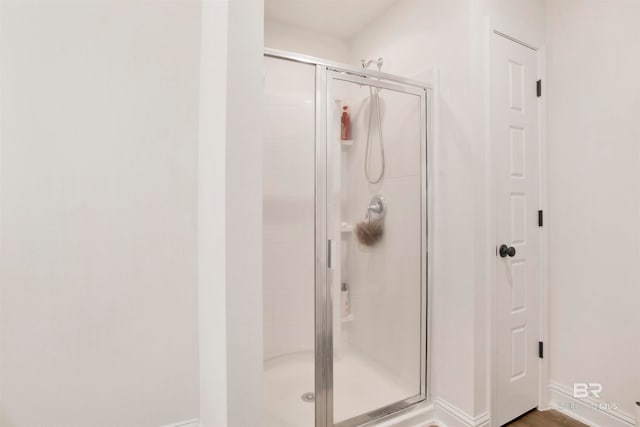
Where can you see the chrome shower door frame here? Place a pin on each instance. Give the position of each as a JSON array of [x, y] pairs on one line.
[[333, 235], [325, 155]]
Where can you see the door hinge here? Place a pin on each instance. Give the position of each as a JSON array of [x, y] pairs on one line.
[[540, 349], [540, 219], [539, 88]]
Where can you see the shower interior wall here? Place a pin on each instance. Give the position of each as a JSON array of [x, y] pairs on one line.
[[288, 185]]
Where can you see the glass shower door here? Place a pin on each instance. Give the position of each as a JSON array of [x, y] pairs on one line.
[[376, 222], [345, 244], [289, 243]]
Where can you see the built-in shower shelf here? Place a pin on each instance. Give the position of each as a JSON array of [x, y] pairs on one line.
[[346, 228], [346, 142], [347, 319]]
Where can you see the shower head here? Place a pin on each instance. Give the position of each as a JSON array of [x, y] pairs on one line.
[[367, 62]]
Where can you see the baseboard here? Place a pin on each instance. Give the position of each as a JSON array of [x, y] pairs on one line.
[[444, 414], [588, 410], [451, 416], [186, 423], [439, 412], [420, 415]]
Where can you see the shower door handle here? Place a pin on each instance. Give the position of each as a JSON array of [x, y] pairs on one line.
[[329, 253]]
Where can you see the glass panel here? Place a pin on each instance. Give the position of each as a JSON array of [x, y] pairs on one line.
[[289, 241], [376, 178]]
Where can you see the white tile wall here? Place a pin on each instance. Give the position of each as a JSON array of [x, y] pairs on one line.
[[289, 207]]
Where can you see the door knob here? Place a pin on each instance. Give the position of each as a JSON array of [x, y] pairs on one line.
[[507, 250]]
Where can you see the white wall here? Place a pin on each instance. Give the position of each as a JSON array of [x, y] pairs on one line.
[[212, 263], [234, 368], [595, 196], [278, 35], [98, 284]]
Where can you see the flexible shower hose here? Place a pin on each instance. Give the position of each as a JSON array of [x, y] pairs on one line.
[[374, 95]]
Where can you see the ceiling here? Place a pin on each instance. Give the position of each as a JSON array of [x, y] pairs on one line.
[[339, 18]]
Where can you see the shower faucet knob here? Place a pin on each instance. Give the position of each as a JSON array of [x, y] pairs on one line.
[[377, 207]]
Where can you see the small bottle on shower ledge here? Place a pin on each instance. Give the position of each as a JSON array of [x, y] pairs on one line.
[[345, 124], [346, 301]]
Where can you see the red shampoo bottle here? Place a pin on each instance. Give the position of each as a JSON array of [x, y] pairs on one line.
[[345, 122]]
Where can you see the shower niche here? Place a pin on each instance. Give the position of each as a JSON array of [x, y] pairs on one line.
[[345, 243]]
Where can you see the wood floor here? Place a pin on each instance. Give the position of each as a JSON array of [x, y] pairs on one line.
[[549, 418]]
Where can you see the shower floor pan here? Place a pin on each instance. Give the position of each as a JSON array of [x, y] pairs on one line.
[[362, 387]]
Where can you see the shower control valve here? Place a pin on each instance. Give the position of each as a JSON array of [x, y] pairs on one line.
[[377, 207]]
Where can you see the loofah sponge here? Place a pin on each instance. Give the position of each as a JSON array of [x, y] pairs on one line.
[[369, 232]]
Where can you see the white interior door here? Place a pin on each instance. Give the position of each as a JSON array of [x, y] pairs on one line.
[[516, 172]]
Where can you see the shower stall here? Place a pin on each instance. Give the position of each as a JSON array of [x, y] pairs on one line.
[[345, 242]]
